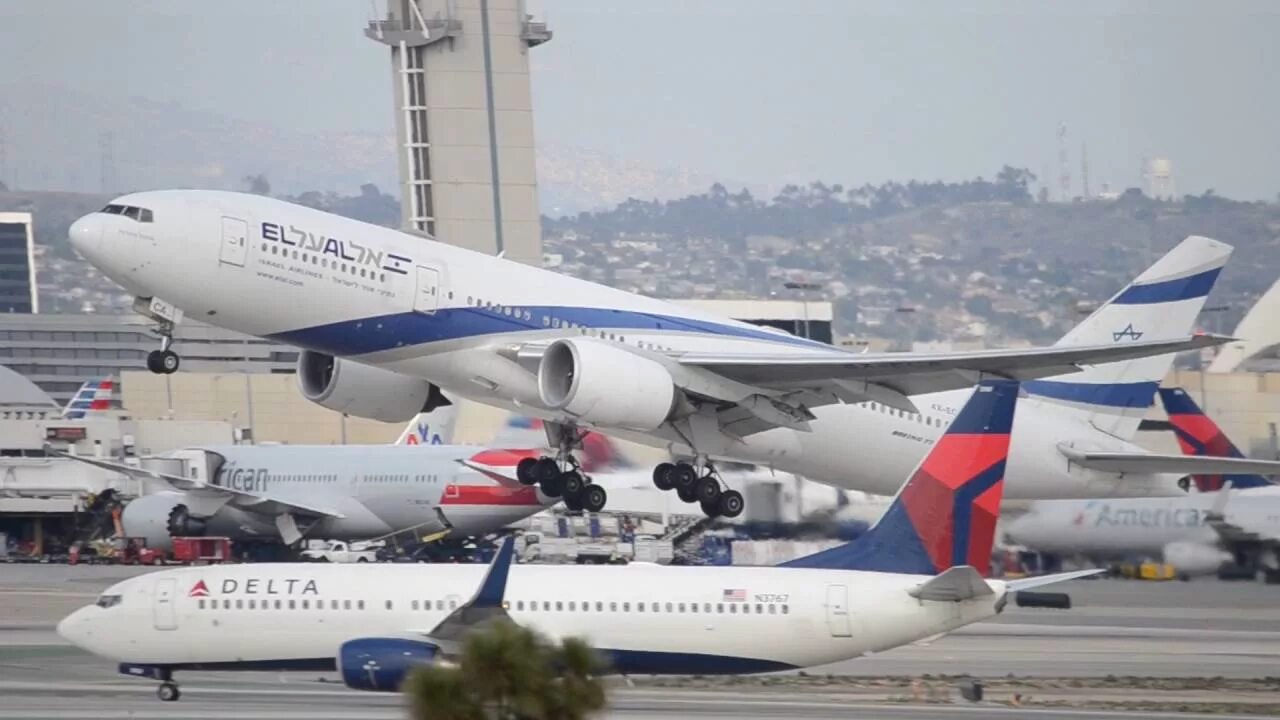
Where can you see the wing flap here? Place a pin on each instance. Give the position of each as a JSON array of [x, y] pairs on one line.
[[1042, 580]]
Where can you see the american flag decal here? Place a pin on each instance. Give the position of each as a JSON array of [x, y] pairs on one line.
[[735, 595]]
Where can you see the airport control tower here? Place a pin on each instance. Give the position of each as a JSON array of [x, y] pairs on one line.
[[464, 121]]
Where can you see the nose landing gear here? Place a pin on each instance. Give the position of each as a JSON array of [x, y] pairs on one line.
[[168, 691], [164, 361], [705, 489]]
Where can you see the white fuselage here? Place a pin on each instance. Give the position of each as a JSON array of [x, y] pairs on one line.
[[372, 491], [1140, 527], [643, 618], [434, 311]]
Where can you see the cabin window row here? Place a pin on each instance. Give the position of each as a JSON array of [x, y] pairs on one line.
[[731, 608], [895, 412], [324, 262], [278, 604], [550, 321]]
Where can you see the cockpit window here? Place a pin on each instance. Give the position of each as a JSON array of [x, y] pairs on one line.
[[106, 601], [132, 212]]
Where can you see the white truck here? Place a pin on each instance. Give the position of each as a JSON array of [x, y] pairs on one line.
[[547, 548], [337, 551]]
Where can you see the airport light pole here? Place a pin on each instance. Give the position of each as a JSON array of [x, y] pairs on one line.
[[803, 287], [1218, 312]]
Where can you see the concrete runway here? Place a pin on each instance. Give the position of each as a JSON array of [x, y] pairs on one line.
[[1122, 628]]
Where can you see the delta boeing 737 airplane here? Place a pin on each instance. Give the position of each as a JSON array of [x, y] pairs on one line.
[[914, 575], [387, 320]]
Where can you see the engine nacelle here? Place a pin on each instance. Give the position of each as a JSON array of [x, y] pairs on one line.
[[148, 517], [368, 392], [603, 384], [1189, 558], [381, 664]]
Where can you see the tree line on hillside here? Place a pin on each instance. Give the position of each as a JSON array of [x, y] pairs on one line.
[[796, 211]]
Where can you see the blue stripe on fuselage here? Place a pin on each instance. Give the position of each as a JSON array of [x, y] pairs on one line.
[[387, 332], [1192, 286], [1117, 395], [626, 662]]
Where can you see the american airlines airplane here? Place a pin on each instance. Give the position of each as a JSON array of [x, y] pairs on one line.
[[346, 492], [1233, 518], [912, 576], [387, 320]]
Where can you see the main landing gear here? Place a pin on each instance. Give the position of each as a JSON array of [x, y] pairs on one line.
[[704, 489], [164, 361], [562, 476]]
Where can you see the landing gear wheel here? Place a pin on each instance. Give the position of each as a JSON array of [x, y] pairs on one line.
[[731, 503], [168, 692], [572, 483], [525, 472], [553, 487], [544, 469], [707, 490], [684, 476], [687, 493], [163, 362], [593, 498], [711, 509], [573, 503], [662, 476]]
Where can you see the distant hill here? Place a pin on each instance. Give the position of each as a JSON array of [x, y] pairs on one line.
[[55, 141]]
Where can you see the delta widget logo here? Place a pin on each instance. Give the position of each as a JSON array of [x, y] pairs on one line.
[[199, 590]]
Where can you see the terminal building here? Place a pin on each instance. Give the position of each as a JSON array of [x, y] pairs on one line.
[[17, 264]]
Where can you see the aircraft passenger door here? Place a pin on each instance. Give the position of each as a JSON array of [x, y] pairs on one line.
[[165, 612], [427, 296], [235, 241], [838, 611]]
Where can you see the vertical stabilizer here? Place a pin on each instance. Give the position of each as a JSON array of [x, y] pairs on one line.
[[1199, 435], [1160, 304], [945, 515]]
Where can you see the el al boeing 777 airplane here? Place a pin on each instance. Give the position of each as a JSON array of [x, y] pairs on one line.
[[914, 575], [387, 320]]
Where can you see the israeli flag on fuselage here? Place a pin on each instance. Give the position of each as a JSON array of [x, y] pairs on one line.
[[1161, 304]]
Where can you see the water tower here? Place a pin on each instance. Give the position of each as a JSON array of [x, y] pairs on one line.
[[1159, 176]]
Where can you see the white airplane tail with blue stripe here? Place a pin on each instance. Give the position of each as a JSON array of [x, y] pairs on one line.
[[1161, 304]]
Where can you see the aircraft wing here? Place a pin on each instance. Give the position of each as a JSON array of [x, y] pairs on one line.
[[1041, 580], [243, 500], [1230, 533], [915, 373], [1122, 462]]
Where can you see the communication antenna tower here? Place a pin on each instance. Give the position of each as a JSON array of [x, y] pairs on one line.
[[1064, 174], [1084, 169]]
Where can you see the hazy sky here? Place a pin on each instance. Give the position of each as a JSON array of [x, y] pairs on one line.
[[749, 90]]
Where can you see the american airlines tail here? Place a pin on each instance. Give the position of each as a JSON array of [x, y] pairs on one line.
[[93, 398], [431, 428], [945, 515], [1162, 303], [1199, 435]]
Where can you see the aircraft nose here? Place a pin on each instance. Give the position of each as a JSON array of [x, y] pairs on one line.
[[86, 234], [67, 627]]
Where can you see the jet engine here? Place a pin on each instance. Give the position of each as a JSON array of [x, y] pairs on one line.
[[150, 517], [381, 664], [1189, 558], [603, 384], [364, 391]]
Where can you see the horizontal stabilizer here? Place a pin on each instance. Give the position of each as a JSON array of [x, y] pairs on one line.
[[962, 582], [1130, 462], [1042, 580]]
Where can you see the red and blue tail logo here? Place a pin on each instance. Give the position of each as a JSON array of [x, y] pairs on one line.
[[1199, 435], [94, 397], [945, 514]]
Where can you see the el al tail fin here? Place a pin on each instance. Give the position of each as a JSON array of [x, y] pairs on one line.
[[95, 397], [1199, 435], [1160, 304], [431, 428], [945, 515]]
